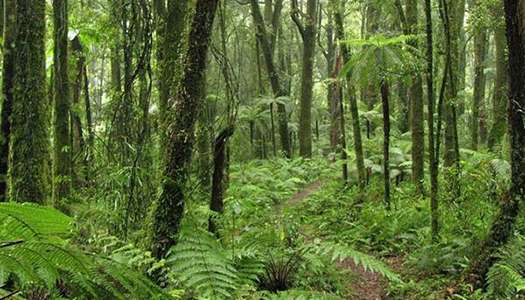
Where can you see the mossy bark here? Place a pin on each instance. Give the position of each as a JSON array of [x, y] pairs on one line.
[[29, 134], [308, 32], [503, 225], [8, 74], [169, 209], [171, 32], [478, 99], [451, 24], [499, 109], [62, 146], [416, 106]]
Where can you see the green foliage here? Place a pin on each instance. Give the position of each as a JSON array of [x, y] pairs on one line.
[[379, 57], [339, 253], [202, 265], [33, 254], [506, 279], [301, 295]]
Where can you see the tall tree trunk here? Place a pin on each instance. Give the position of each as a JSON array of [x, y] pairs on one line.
[[275, 82], [2, 16], [77, 143], [27, 162], [450, 20], [356, 128], [386, 141], [369, 95], [478, 99], [62, 146], [89, 117], [431, 140], [338, 96], [499, 101], [307, 29], [416, 106], [502, 227], [8, 75], [333, 89], [462, 55], [171, 44], [169, 209]]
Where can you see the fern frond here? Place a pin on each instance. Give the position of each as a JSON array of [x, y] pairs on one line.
[[32, 253], [338, 252], [301, 295], [200, 263], [39, 220], [506, 278]]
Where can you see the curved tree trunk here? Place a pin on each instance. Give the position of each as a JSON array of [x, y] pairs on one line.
[[275, 81], [169, 208], [219, 166]]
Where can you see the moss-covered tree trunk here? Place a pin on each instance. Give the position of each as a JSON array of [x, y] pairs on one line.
[[478, 99], [416, 106], [29, 133], [8, 75], [448, 99], [169, 209], [499, 102], [432, 157], [502, 227], [171, 32], [62, 147], [450, 18], [78, 155], [308, 30], [332, 88], [2, 16]]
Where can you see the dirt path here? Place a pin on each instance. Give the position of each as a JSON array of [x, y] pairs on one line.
[[368, 285]]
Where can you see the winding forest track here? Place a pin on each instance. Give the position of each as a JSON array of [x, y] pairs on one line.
[[367, 285]]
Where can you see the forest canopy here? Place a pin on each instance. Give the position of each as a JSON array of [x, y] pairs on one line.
[[262, 149]]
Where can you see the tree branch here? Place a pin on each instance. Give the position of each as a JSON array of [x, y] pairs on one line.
[[295, 17]]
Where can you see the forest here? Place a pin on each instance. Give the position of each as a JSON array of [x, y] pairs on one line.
[[262, 149]]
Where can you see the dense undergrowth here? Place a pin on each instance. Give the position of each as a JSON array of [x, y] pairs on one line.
[[401, 236], [268, 248]]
